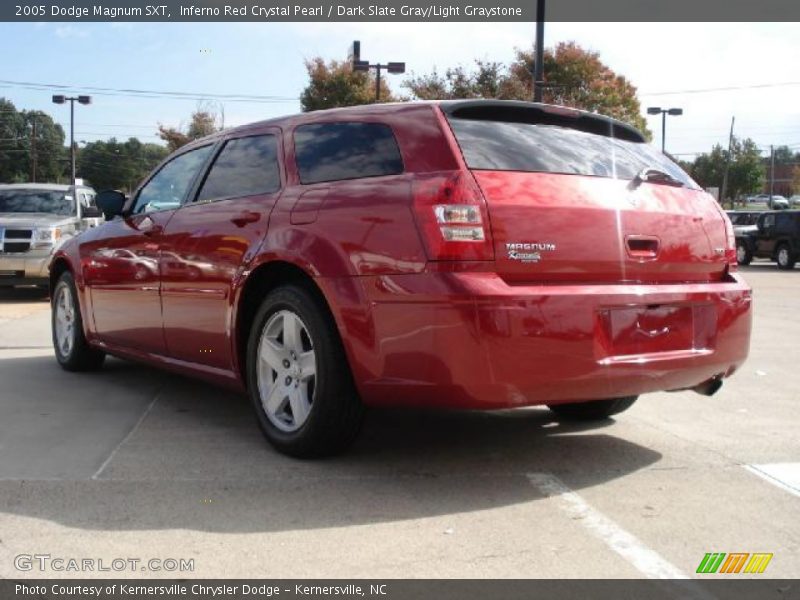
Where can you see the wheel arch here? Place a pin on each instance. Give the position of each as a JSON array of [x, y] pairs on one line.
[[58, 266], [258, 283]]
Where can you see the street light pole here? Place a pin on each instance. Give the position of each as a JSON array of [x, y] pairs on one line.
[[654, 110], [60, 99], [394, 68], [538, 61]]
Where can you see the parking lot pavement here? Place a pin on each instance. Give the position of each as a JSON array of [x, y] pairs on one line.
[[132, 462]]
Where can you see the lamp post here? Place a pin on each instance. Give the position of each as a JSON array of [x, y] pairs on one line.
[[60, 99], [654, 110], [395, 68]]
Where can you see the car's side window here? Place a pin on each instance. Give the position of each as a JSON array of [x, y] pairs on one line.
[[245, 167], [167, 189], [337, 151], [769, 221]]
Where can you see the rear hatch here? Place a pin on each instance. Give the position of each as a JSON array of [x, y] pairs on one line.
[[575, 197]]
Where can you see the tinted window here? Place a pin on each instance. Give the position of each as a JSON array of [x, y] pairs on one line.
[[245, 167], [509, 146], [168, 187], [334, 151]]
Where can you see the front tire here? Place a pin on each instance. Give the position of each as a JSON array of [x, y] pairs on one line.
[[298, 376], [785, 258], [72, 350], [594, 410]]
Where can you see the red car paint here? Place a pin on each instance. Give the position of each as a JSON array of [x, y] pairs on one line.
[[639, 295]]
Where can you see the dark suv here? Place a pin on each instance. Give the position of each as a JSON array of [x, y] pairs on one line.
[[777, 237]]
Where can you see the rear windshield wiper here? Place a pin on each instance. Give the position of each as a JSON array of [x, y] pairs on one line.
[[654, 175]]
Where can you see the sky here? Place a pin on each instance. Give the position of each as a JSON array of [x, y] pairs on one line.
[[667, 62]]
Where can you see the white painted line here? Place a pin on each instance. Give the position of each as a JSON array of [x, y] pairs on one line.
[[783, 475], [111, 456], [644, 559]]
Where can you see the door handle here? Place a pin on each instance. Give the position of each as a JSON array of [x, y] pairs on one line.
[[245, 217]]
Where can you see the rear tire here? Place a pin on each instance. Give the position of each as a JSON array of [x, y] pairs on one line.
[[298, 377], [785, 258], [594, 410], [743, 254], [72, 350]]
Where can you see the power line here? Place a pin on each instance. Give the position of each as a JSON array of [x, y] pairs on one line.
[[723, 89], [105, 91]]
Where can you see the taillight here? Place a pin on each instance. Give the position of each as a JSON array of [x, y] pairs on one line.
[[730, 245], [452, 217]]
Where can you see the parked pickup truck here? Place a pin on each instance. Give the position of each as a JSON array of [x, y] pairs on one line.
[[776, 237], [35, 219]]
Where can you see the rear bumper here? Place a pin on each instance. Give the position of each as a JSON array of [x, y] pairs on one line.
[[24, 269], [470, 340]]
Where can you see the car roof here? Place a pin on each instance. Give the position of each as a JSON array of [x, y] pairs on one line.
[[450, 107]]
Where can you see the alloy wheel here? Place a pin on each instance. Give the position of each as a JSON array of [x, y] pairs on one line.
[[783, 257], [286, 371], [65, 320]]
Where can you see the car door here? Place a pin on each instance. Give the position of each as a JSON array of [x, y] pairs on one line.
[[209, 241], [765, 237], [121, 261]]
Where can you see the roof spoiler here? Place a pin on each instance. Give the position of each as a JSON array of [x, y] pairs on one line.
[[512, 111]]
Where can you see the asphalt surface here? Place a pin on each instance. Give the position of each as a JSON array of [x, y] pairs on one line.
[[131, 462]]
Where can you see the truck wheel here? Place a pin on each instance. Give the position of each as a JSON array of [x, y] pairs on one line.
[[72, 350], [594, 410], [785, 257], [298, 376], [743, 254]]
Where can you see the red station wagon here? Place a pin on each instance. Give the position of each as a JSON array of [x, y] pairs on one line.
[[465, 254]]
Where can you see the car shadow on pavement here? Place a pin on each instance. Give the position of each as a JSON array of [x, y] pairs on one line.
[[195, 459], [22, 295]]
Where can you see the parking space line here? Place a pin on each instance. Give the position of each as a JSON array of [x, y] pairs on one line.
[[111, 456], [783, 475], [628, 546]]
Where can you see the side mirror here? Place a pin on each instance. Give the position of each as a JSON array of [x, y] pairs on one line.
[[110, 202], [91, 212]]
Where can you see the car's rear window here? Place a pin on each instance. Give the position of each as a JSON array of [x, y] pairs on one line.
[[548, 148], [337, 151]]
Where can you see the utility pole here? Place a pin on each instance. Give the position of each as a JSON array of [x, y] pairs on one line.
[[33, 150], [727, 168], [771, 172], [538, 61]]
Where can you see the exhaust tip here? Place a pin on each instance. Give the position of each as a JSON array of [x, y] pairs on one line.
[[709, 387]]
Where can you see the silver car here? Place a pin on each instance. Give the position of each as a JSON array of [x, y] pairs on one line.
[[35, 219]]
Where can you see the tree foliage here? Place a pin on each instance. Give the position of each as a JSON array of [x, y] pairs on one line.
[[118, 165], [204, 121], [334, 84], [574, 77], [17, 143], [745, 174]]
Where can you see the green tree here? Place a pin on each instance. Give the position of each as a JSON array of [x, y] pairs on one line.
[[745, 174], [334, 84], [785, 156], [17, 142], [574, 77], [204, 121], [118, 165]]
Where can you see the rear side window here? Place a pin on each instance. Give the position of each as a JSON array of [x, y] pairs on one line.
[[546, 148], [336, 151], [245, 167]]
